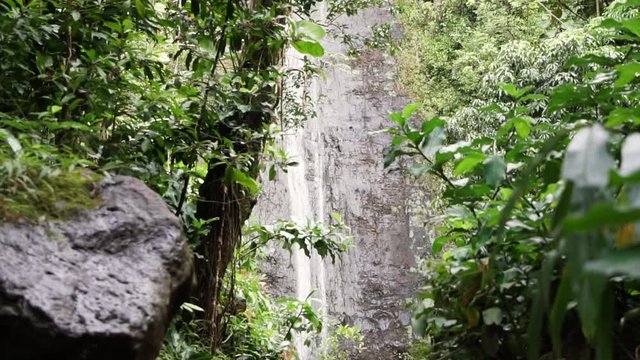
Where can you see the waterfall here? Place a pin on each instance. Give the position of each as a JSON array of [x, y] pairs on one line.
[[340, 169], [309, 272]]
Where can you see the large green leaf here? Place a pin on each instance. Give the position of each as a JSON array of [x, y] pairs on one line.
[[310, 30], [494, 171], [468, 163], [568, 95], [630, 161], [312, 48], [243, 179], [623, 262], [600, 216], [587, 161], [433, 142], [621, 115], [627, 73], [409, 110]]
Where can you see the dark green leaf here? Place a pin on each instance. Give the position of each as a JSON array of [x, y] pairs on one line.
[[494, 171], [600, 216], [622, 262]]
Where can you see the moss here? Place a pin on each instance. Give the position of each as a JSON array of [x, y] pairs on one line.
[[53, 197]]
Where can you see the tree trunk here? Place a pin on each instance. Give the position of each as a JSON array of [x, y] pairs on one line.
[[227, 203]]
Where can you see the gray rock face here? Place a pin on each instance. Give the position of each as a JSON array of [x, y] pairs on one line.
[[102, 285], [341, 169]]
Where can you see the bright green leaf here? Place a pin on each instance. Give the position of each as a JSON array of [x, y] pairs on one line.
[[409, 110], [312, 48], [468, 163], [627, 73], [310, 29]]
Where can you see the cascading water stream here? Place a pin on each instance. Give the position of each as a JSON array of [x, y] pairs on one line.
[[308, 286], [340, 169]]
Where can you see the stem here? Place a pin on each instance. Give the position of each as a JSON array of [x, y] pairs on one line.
[[183, 195]]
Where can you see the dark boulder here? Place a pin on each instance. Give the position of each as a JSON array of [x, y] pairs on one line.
[[102, 285]]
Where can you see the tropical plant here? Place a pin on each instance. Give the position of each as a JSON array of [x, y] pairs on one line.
[[536, 247], [184, 96]]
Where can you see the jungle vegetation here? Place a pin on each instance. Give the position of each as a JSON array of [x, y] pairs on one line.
[[527, 134], [188, 97], [524, 127]]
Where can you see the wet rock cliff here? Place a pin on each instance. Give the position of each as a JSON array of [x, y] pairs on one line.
[[340, 169]]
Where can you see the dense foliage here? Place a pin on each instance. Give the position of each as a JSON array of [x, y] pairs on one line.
[[458, 52], [187, 96], [537, 249]]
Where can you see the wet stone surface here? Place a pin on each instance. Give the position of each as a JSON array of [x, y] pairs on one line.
[[102, 285]]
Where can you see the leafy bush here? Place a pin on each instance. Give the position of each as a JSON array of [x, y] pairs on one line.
[[183, 95], [536, 242]]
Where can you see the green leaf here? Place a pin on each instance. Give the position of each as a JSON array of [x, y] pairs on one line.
[[140, 7], [310, 30], [568, 95], [587, 161], [523, 126], [419, 325], [633, 25], [432, 143], [468, 163], [621, 115], [627, 73], [272, 172], [429, 125], [409, 110], [14, 144], [559, 310], [439, 243], [206, 44], [513, 91], [529, 97], [591, 293], [55, 109], [312, 48], [494, 171], [389, 157], [621, 262], [562, 209], [398, 118], [535, 328], [492, 316], [245, 180], [599, 216]]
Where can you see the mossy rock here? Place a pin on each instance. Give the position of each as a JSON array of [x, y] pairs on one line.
[[57, 196]]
